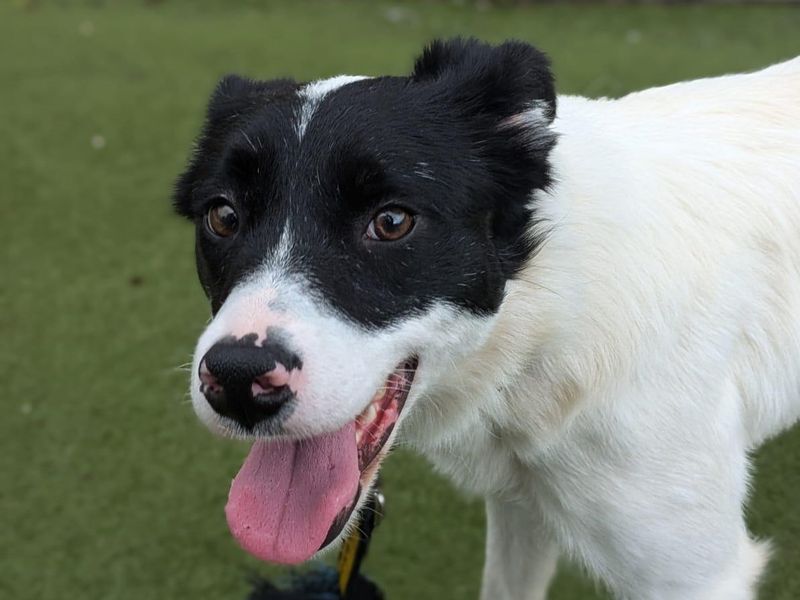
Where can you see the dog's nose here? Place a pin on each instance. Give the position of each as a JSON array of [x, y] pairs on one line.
[[246, 382]]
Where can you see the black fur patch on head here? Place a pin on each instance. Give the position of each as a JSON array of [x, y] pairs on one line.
[[236, 105], [461, 143]]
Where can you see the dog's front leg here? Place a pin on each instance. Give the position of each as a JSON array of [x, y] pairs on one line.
[[520, 558]]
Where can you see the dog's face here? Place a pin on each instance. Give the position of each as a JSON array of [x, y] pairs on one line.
[[354, 237]]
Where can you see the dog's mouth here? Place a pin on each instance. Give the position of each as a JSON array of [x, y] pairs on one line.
[[293, 497], [376, 422]]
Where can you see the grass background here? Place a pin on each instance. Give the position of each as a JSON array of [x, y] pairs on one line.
[[109, 488]]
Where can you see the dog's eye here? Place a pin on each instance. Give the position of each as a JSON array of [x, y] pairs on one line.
[[221, 220], [390, 224]]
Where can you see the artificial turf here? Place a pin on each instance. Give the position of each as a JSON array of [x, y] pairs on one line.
[[109, 488]]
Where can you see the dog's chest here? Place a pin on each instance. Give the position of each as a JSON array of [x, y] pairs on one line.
[[478, 465], [473, 453]]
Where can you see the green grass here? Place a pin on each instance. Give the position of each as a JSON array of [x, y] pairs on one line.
[[109, 488]]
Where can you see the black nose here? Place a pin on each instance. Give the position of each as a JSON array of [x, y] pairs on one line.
[[247, 382]]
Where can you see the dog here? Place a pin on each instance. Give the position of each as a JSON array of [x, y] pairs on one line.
[[585, 311]]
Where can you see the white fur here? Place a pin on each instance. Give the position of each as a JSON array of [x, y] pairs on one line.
[[649, 346], [313, 93], [607, 411]]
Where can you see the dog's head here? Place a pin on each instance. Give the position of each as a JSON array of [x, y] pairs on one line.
[[354, 236]]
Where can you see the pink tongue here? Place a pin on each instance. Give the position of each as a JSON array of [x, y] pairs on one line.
[[287, 494]]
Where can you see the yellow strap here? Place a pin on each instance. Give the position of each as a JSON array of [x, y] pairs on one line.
[[347, 558]]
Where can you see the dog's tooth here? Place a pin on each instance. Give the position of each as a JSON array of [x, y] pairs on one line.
[[372, 414]]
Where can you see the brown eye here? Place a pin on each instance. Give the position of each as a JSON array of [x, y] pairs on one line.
[[222, 220], [390, 224]]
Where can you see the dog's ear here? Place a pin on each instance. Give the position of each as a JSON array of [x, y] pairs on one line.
[[491, 81], [232, 101], [506, 99]]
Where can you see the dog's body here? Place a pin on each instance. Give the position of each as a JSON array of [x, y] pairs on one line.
[[652, 343], [605, 405]]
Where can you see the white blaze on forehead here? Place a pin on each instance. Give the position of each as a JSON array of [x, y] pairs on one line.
[[283, 252], [313, 93]]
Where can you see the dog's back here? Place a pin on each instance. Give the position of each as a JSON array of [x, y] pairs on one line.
[[741, 146], [680, 206]]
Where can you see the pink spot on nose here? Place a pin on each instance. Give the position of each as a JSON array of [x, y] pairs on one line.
[[271, 380], [207, 380]]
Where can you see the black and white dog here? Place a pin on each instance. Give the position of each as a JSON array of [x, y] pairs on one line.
[[587, 311]]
